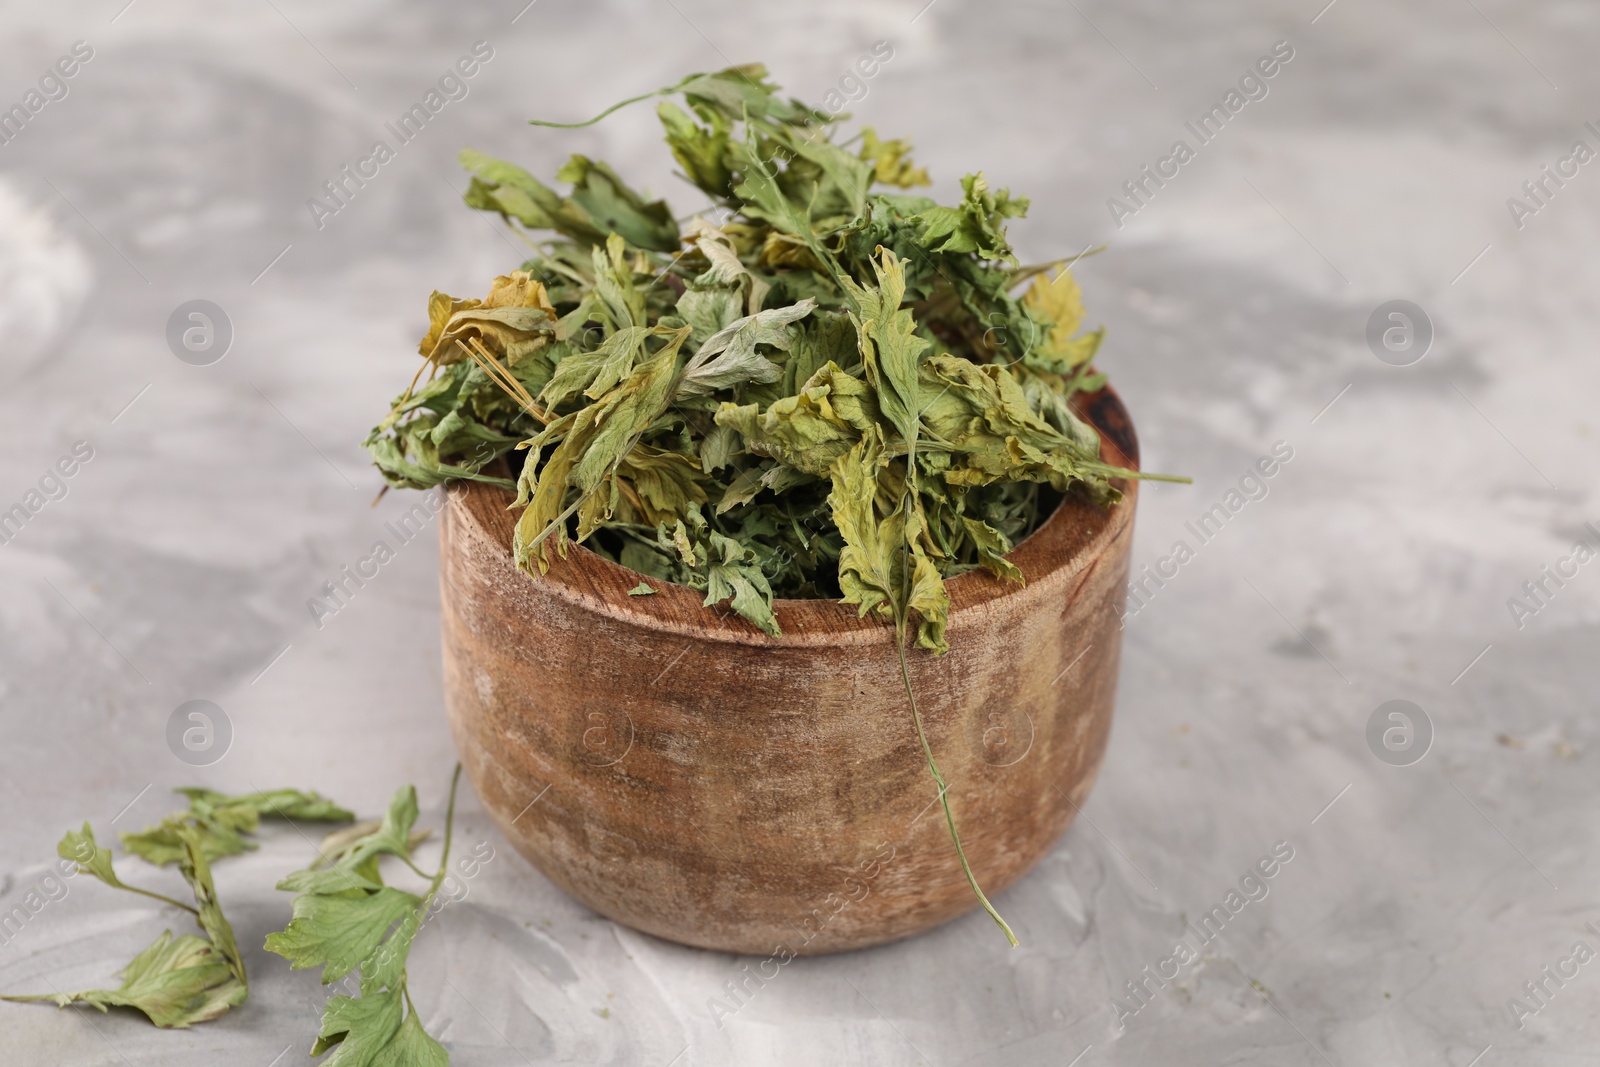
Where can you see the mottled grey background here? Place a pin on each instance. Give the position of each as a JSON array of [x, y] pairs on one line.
[[1379, 566]]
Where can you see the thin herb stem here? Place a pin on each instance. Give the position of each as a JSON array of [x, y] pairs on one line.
[[449, 829], [438, 879], [503, 377], [418, 870], [529, 241], [415, 378], [1143, 476], [615, 107], [559, 521], [164, 899], [901, 635]]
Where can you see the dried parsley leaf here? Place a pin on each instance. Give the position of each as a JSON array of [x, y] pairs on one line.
[[872, 540], [734, 575], [221, 822], [978, 225], [347, 920], [728, 357], [599, 204], [176, 982], [1059, 303], [370, 1032], [891, 161], [81, 847], [338, 932]]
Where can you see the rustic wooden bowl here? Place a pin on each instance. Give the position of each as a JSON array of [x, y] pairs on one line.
[[678, 771]]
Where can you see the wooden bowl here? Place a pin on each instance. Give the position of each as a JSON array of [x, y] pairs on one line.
[[679, 771]]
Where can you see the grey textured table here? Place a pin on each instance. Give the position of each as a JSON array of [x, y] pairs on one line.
[[1376, 564]]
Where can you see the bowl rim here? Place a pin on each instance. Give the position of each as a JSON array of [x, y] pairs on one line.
[[1073, 538]]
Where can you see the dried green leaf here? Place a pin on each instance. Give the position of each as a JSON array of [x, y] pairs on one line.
[[743, 489], [346, 919], [812, 428], [514, 321], [375, 1031], [176, 982], [221, 822], [708, 311], [891, 160], [718, 248], [729, 358], [873, 540], [890, 347], [392, 837], [1059, 303], [992, 546], [197, 872], [339, 843], [734, 576], [591, 448], [616, 209], [337, 932], [701, 151], [978, 225], [191, 979], [596, 373], [717, 448], [599, 205], [743, 91], [80, 847]]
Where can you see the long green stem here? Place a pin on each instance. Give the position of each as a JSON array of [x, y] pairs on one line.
[[449, 829], [901, 636], [417, 870], [157, 896], [1143, 476], [615, 107], [422, 907]]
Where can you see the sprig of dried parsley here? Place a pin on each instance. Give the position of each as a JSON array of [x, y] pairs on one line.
[[177, 982], [222, 822], [346, 918], [831, 392]]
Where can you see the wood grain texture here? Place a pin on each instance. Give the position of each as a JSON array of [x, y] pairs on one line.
[[679, 771]]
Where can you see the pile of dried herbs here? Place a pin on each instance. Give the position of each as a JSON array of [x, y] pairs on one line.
[[821, 386]]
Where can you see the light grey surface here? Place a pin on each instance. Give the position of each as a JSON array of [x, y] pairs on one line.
[[1378, 167]]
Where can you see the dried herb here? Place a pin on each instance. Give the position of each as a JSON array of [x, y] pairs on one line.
[[825, 387], [190, 979], [221, 822], [347, 920]]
